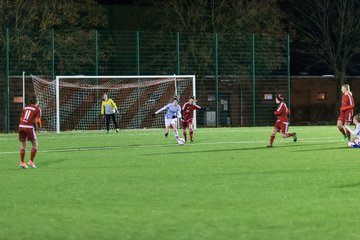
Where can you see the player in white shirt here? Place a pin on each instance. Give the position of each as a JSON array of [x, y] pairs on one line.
[[171, 117], [355, 143]]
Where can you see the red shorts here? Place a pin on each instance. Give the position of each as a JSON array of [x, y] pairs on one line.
[[27, 134], [282, 127], [186, 123], [346, 116]]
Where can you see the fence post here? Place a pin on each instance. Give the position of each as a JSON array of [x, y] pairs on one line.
[[138, 73], [178, 53], [96, 55], [23, 88], [216, 53], [138, 53], [253, 79], [7, 84], [52, 54], [288, 71], [241, 82], [96, 74]]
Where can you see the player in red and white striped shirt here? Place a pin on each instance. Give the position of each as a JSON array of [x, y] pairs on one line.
[[346, 112], [30, 115], [187, 112], [282, 124]]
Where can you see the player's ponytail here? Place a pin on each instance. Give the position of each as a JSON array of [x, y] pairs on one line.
[[280, 97], [347, 87], [357, 117], [33, 100]]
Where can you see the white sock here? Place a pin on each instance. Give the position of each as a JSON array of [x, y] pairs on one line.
[[176, 135]]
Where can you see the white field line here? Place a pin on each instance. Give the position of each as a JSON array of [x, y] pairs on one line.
[[309, 140], [14, 138], [85, 134]]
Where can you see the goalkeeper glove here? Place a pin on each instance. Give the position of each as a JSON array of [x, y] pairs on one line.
[[204, 109], [174, 116], [154, 114]]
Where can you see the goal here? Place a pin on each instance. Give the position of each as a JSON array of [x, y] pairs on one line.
[[74, 102]]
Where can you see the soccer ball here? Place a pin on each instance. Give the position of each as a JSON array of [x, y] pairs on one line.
[[181, 141]]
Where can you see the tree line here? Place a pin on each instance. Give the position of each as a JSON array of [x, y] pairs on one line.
[[324, 32]]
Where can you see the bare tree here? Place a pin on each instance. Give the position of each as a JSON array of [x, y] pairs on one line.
[[234, 20], [29, 23], [29, 40], [245, 16], [329, 32]]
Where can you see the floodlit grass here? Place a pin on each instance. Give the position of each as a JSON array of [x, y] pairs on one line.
[[139, 185]]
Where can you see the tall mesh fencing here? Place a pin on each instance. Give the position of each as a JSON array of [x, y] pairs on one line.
[[236, 75]]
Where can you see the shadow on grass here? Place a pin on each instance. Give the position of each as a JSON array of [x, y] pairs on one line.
[[322, 149], [239, 149], [348, 185]]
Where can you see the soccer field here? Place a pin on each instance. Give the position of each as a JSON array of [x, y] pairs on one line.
[[139, 185]]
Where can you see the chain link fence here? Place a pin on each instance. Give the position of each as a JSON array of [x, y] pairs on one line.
[[236, 75]]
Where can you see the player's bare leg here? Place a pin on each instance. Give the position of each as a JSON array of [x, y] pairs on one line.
[[191, 132], [272, 137], [22, 154], [293, 135], [348, 134], [340, 125], [167, 129], [33, 153]]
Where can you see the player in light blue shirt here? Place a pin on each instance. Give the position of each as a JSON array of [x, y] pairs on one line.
[[173, 112], [355, 143]]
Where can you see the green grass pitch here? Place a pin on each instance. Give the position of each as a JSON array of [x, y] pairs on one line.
[[139, 185]]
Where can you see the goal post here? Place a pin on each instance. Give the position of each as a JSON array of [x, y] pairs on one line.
[[73, 102]]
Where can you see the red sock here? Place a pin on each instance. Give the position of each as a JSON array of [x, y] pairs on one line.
[[272, 139], [185, 136], [191, 135], [22, 154], [33, 153], [341, 129], [348, 134]]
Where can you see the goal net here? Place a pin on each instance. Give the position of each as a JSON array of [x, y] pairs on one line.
[[74, 102]]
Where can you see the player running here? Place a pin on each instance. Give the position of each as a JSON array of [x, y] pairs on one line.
[[173, 113], [29, 116], [282, 123], [355, 143], [346, 112], [109, 107], [187, 112]]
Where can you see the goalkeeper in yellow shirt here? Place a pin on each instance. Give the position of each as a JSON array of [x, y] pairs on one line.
[[109, 108]]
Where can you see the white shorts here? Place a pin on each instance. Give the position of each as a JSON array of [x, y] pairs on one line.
[[170, 122], [354, 144]]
